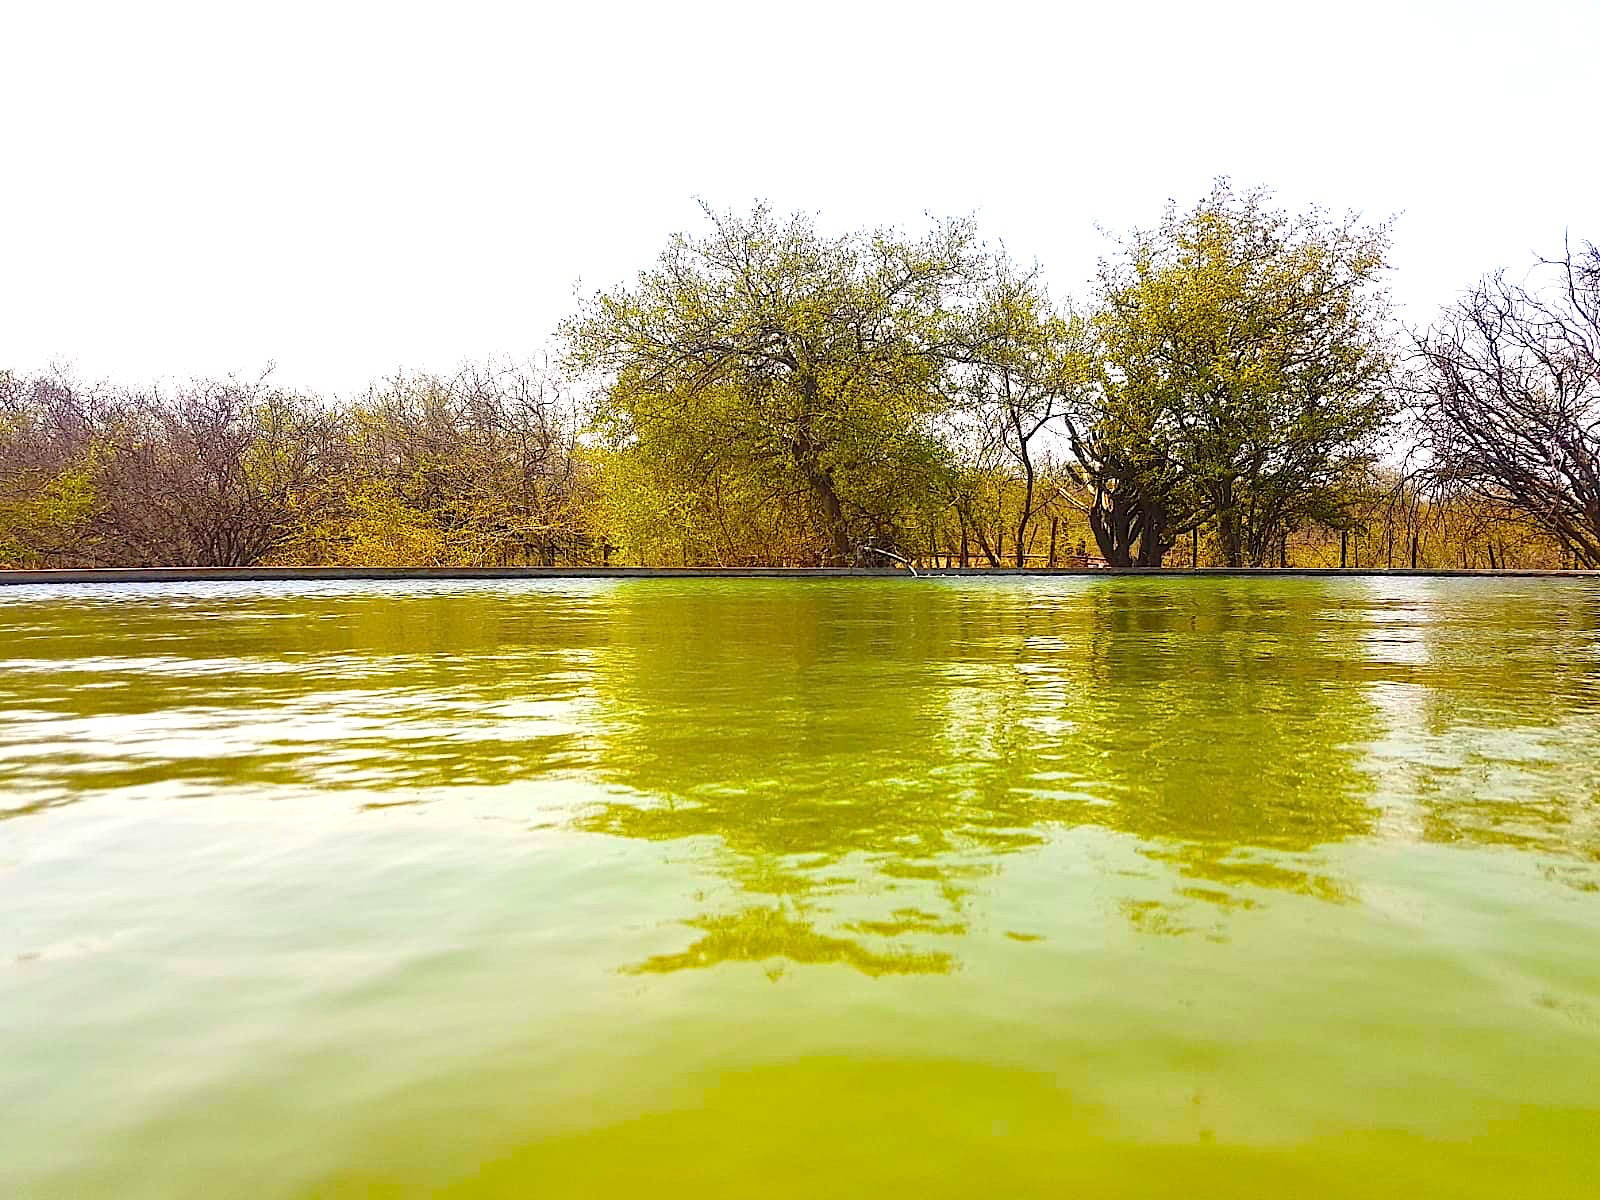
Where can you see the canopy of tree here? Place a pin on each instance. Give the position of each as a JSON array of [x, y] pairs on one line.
[[796, 374], [1241, 379]]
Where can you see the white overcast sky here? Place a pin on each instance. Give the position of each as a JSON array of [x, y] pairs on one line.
[[345, 189]]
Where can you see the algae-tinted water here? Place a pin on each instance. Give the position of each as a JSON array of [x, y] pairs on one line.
[[1108, 887]]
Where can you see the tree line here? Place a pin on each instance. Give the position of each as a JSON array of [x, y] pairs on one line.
[[1231, 388]]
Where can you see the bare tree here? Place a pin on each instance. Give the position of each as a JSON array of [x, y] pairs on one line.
[[488, 457], [216, 473], [47, 454], [1507, 388]]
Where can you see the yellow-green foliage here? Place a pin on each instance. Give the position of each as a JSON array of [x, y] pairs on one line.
[[382, 530], [47, 516], [778, 387]]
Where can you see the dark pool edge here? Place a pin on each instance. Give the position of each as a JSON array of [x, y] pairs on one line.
[[269, 574]]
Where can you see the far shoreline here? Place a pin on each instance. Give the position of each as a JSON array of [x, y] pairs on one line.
[[116, 575]]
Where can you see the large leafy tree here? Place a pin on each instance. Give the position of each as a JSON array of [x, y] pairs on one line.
[[1245, 362], [799, 369]]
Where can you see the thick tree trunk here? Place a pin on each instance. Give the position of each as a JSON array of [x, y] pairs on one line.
[[1228, 534], [838, 531], [1152, 550], [1111, 522], [820, 479], [1155, 538], [808, 457], [1110, 548]]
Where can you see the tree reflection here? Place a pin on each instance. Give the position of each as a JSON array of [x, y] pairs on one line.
[[1495, 737], [804, 729], [863, 754], [1230, 726], [762, 934]]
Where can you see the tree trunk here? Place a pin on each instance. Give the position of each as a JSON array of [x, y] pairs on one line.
[[808, 457], [838, 533], [1110, 521], [1153, 540], [1026, 518], [1228, 530]]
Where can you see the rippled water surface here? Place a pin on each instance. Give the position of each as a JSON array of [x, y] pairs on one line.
[[1101, 887]]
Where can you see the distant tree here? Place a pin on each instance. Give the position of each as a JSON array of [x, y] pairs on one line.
[[1019, 365], [1507, 388], [217, 473], [480, 466], [49, 449], [1245, 361], [801, 367]]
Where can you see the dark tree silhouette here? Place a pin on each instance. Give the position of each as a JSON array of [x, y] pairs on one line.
[[1507, 388]]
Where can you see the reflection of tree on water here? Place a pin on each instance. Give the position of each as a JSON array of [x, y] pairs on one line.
[[1232, 719], [1496, 718], [1223, 723], [856, 745], [761, 934], [802, 727]]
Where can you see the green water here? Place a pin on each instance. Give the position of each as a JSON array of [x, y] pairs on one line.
[[1116, 887]]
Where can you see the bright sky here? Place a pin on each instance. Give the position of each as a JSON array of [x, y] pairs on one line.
[[345, 189]]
